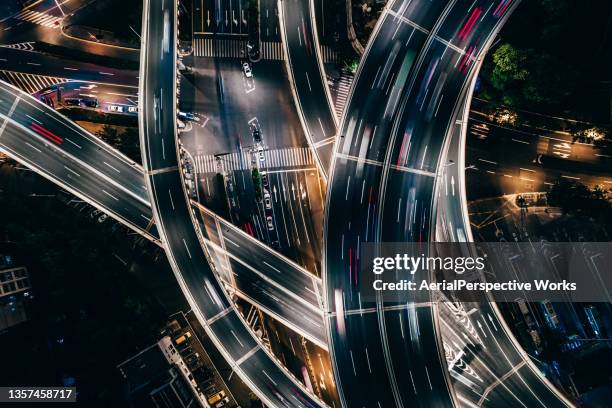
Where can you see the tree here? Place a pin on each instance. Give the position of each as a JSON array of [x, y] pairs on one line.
[[129, 144], [509, 65], [109, 134]]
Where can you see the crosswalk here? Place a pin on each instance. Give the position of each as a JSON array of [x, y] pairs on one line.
[[343, 87], [329, 55], [219, 47], [43, 19], [284, 158], [234, 48], [272, 51], [24, 46], [29, 83]]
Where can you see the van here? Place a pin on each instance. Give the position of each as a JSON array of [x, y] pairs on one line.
[[183, 338], [213, 399]]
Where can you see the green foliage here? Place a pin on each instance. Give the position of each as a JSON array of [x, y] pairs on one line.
[[129, 144], [575, 198], [509, 65], [109, 134]]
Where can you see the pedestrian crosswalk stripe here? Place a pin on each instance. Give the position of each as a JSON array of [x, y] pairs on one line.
[[283, 158], [29, 83], [234, 48], [39, 18], [329, 55], [342, 89]]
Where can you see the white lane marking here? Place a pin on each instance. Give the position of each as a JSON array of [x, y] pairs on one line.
[[110, 195], [72, 171], [35, 148], [114, 168], [185, 243], [70, 141], [277, 270]]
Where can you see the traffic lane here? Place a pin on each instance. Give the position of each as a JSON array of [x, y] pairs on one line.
[[504, 144], [355, 344], [274, 383], [43, 64], [268, 21], [407, 210], [292, 204], [158, 103], [423, 12], [444, 72], [306, 70], [410, 332], [353, 203], [524, 387], [236, 338], [264, 260], [465, 27], [180, 235], [221, 16], [79, 144], [423, 124], [279, 302], [24, 144], [370, 109]]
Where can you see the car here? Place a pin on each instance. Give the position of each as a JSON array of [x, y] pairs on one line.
[[264, 179], [257, 135], [267, 200], [270, 223], [133, 109], [215, 398], [222, 403], [246, 68], [90, 103], [102, 218], [72, 101], [260, 154], [115, 108]]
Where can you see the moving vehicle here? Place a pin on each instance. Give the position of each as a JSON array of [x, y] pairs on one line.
[[270, 223], [184, 337], [246, 68], [257, 135], [215, 398], [267, 200]]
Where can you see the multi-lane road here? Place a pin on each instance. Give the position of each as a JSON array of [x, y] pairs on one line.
[[389, 164], [43, 139], [308, 80], [172, 212]]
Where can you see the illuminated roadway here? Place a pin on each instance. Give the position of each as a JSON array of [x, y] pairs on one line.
[[57, 145], [172, 212], [308, 79], [367, 372]]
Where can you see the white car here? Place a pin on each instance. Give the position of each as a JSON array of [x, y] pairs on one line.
[[270, 223], [267, 200], [115, 108], [246, 68], [133, 109]]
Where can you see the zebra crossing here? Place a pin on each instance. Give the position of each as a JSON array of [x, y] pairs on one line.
[[43, 19], [271, 51], [343, 88], [234, 48], [219, 47], [284, 158], [29, 83], [24, 46], [329, 55]]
